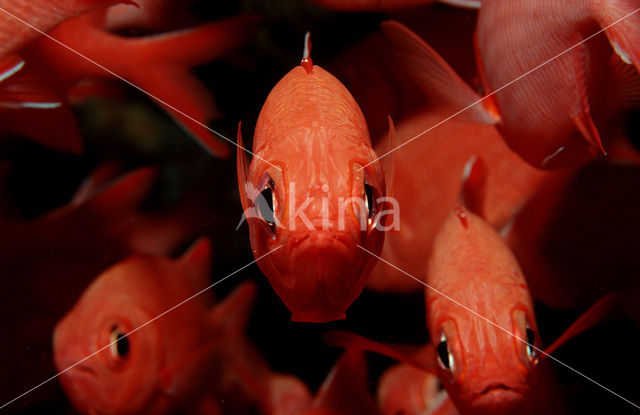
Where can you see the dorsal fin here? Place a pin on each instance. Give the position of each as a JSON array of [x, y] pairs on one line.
[[595, 314], [306, 62], [197, 261], [345, 388], [435, 78], [232, 314], [422, 357]]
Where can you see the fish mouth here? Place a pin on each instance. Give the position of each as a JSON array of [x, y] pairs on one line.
[[498, 397], [323, 273]]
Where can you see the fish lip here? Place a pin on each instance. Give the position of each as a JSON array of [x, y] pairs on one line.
[[339, 241], [505, 394]]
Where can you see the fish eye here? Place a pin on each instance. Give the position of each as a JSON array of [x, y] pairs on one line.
[[369, 201], [445, 357], [119, 343], [531, 339], [265, 205]]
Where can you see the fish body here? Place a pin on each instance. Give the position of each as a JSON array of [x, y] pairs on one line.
[[208, 368], [554, 116], [483, 369], [308, 191], [426, 178]]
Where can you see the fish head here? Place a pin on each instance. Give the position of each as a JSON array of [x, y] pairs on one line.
[[315, 192], [107, 369], [481, 319], [112, 349]]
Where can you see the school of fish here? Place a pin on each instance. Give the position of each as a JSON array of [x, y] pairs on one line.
[[431, 209]]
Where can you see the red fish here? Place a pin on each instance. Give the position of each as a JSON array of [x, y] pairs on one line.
[[380, 5], [555, 116], [102, 225], [170, 54], [307, 190], [442, 153], [208, 368], [480, 317]]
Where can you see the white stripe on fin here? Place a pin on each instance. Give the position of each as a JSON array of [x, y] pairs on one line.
[[467, 4], [11, 71]]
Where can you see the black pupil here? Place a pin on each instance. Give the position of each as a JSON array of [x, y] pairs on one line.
[[443, 352], [368, 194], [531, 336], [122, 345], [265, 205]]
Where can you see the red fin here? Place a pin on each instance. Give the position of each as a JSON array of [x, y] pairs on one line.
[[21, 88], [627, 84], [242, 164], [307, 63], [172, 55], [388, 162], [190, 372], [96, 180], [595, 314], [622, 22], [435, 77], [34, 109], [474, 179], [232, 314], [422, 357], [345, 389], [465, 4], [197, 260], [587, 128], [120, 195]]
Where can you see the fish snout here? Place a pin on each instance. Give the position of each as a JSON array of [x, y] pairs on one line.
[[326, 275], [498, 398]]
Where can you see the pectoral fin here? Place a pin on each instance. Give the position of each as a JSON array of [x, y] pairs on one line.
[[422, 357]]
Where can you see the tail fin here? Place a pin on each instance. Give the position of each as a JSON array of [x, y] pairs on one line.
[[435, 77], [172, 55]]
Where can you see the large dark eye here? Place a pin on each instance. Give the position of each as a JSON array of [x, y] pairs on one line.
[[531, 341], [445, 357], [119, 343], [369, 202], [265, 205]]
